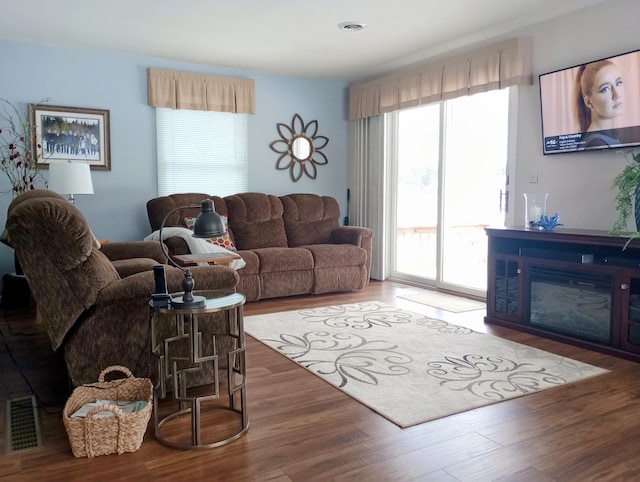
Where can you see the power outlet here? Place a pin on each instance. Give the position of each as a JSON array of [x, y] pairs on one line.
[[533, 176]]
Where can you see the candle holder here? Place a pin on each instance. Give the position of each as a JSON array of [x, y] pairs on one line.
[[535, 205]]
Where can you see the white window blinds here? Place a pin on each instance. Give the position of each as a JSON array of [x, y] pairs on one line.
[[201, 151]]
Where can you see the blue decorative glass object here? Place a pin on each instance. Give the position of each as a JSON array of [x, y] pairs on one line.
[[548, 223]]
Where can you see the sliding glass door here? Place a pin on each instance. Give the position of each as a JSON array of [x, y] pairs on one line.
[[449, 169], [417, 185]]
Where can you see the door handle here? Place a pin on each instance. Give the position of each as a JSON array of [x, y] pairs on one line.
[[504, 201]]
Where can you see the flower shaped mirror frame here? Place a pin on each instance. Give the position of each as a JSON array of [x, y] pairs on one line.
[[300, 148]]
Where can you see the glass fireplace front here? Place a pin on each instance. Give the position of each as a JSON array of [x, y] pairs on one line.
[[571, 303]]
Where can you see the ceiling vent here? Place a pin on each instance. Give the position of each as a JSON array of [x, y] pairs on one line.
[[352, 26]]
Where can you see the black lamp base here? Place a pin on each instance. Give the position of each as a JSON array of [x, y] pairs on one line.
[[180, 304], [187, 301]]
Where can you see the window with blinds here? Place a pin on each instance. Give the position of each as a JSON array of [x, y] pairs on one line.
[[201, 151]]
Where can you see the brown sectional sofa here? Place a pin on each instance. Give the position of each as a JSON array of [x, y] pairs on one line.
[[291, 244]]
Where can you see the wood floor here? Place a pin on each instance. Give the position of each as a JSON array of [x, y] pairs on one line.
[[304, 429]]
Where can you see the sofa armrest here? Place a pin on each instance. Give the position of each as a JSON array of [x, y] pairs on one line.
[[176, 245], [133, 249], [356, 235]]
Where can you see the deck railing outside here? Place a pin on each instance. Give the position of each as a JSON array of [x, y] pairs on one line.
[[465, 253]]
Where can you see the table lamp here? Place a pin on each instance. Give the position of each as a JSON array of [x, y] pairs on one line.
[[208, 224], [70, 178]]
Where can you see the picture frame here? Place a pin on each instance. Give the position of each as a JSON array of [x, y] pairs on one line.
[[71, 134]]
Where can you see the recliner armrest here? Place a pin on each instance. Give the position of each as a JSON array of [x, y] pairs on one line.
[[133, 249], [141, 285]]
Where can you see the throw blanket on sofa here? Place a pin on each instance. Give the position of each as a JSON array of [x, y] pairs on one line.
[[196, 245]]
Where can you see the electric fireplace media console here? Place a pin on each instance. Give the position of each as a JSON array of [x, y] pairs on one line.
[[576, 286]]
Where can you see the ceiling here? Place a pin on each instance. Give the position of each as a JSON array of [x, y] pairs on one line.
[[283, 37]]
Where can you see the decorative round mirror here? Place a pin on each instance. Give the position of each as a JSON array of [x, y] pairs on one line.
[[300, 148]]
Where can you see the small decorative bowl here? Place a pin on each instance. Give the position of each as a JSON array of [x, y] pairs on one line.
[[548, 223]]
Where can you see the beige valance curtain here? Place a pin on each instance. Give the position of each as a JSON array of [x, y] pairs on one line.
[[495, 67], [187, 90]]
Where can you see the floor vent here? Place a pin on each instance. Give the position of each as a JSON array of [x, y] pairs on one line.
[[22, 426]]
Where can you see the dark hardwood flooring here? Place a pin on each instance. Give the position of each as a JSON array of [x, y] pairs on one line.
[[304, 429]]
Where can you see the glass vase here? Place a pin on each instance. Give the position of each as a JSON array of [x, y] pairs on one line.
[[535, 205]]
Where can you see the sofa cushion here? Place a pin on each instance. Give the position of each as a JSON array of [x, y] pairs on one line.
[[344, 278], [309, 218], [256, 220], [337, 255], [284, 259], [286, 283]]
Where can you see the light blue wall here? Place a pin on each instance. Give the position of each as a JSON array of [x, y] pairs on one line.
[[81, 78]]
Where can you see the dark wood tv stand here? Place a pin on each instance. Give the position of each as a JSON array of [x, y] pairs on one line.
[[571, 285]]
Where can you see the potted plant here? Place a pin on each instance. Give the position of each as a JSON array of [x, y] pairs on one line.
[[627, 201], [18, 158]]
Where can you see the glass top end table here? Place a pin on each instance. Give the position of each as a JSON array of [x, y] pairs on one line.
[[195, 328]]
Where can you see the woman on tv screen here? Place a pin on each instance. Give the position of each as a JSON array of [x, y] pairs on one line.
[[598, 94], [592, 106]]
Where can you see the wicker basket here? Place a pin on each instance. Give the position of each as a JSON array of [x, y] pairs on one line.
[[90, 436]]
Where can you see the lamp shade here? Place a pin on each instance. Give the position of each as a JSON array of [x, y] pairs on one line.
[[70, 178], [208, 223]]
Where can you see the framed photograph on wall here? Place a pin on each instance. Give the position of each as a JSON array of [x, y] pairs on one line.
[[72, 134]]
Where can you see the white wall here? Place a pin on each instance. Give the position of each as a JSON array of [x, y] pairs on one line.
[[578, 183]]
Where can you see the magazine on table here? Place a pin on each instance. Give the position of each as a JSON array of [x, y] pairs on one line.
[[127, 407]]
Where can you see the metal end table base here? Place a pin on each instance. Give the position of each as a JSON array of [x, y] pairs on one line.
[[174, 367], [166, 422]]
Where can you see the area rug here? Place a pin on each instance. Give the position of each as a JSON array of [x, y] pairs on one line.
[[407, 367], [456, 304]]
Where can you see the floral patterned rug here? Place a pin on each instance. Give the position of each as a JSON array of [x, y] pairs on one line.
[[407, 367]]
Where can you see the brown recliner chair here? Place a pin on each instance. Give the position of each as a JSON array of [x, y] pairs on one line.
[[96, 316], [128, 257]]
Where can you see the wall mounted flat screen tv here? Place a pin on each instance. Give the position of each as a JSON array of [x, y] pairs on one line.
[[592, 106]]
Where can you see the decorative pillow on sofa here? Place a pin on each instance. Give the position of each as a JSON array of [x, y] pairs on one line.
[[224, 240]]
